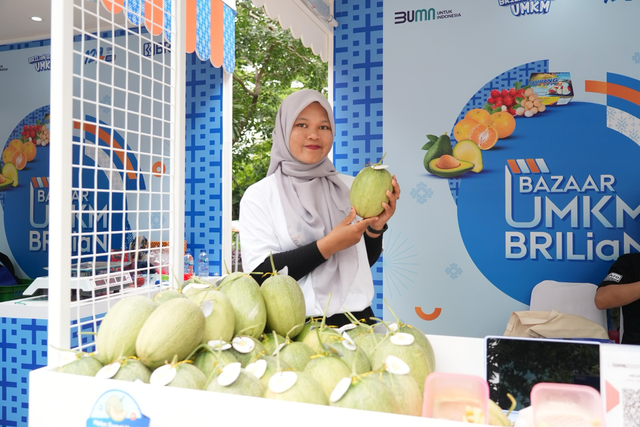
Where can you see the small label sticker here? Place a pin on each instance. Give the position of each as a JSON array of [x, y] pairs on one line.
[[402, 338], [378, 167], [243, 344], [207, 308], [163, 375], [340, 389], [219, 345], [395, 365], [347, 327], [108, 371], [282, 381], [257, 368], [229, 374]]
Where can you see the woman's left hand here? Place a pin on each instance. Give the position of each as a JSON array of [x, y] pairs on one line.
[[389, 208]]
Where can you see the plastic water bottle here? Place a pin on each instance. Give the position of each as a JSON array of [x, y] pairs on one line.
[[203, 264], [188, 263]]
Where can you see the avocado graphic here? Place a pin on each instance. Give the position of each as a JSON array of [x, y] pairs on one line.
[[436, 148], [450, 172]]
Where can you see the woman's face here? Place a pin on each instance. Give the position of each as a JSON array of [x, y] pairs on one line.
[[311, 137]]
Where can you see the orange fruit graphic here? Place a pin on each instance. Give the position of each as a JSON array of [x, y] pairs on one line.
[[19, 159], [29, 150], [485, 136], [480, 115], [462, 129], [7, 154], [503, 122], [16, 144]]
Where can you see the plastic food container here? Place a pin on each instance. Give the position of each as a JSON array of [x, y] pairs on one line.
[[456, 397], [566, 405]]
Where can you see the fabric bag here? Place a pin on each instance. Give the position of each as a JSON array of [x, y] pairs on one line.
[[552, 324]]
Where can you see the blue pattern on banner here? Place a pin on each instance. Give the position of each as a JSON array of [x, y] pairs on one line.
[[203, 29], [358, 96], [203, 161], [134, 11], [25, 45], [23, 347], [167, 19], [229, 37]]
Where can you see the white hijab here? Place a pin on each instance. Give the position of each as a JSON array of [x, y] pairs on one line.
[[314, 199]]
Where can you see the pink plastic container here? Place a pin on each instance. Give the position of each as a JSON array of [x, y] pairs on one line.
[[566, 405], [456, 397]]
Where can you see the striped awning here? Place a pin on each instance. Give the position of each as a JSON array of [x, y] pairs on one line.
[[210, 25]]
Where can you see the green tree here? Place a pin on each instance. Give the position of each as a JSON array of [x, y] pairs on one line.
[[270, 64]]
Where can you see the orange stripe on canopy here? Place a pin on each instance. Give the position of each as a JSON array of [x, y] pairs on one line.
[[217, 33], [192, 23], [154, 16], [115, 6]]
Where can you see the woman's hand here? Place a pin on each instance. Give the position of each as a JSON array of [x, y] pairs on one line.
[[344, 235], [389, 208]]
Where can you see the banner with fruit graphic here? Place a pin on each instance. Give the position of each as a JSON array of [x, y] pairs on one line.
[[514, 129], [24, 165]]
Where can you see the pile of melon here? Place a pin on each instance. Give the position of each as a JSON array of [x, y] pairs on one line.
[[238, 337]]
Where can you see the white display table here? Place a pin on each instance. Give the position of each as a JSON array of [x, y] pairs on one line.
[[62, 400]]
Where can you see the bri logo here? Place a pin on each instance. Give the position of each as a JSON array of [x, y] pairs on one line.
[[527, 7]]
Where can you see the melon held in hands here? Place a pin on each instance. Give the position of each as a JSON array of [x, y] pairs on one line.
[[369, 190]]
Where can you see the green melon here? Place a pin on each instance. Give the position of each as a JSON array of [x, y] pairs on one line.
[[369, 190], [304, 389], [403, 346], [285, 305], [327, 370], [174, 329], [210, 359], [132, 369], [119, 328], [84, 364], [233, 379], [366, 392], [406, 390], [248, 304], [220, 324]]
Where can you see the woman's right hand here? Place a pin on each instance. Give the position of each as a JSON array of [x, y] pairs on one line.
[[344, 235]]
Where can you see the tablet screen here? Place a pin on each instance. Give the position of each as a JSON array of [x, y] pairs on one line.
[[514, 365]]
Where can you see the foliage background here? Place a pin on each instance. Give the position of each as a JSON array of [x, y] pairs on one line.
[[270, 64]]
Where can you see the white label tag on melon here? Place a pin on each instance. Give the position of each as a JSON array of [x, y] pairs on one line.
[[347, 342], [347, 327], [163, 375], [243, 344], [395, 365], [108, 371], [340, 389], [219, 345], [282, 381], [402, 338], [229, 374], [278, 349], [378, 167], [207, 308], [393, 327], [257, 368], [284, 271]]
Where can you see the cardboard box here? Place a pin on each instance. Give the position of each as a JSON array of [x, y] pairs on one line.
[[552, 88]]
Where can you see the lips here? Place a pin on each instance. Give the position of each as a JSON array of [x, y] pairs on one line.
[[313, 147]]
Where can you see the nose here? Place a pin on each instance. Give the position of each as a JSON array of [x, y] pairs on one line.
[[313, 134]]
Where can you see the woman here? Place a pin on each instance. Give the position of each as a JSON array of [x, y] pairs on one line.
[[301, 214]]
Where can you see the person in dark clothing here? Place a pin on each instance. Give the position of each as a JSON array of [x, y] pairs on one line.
[[621, 288]]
